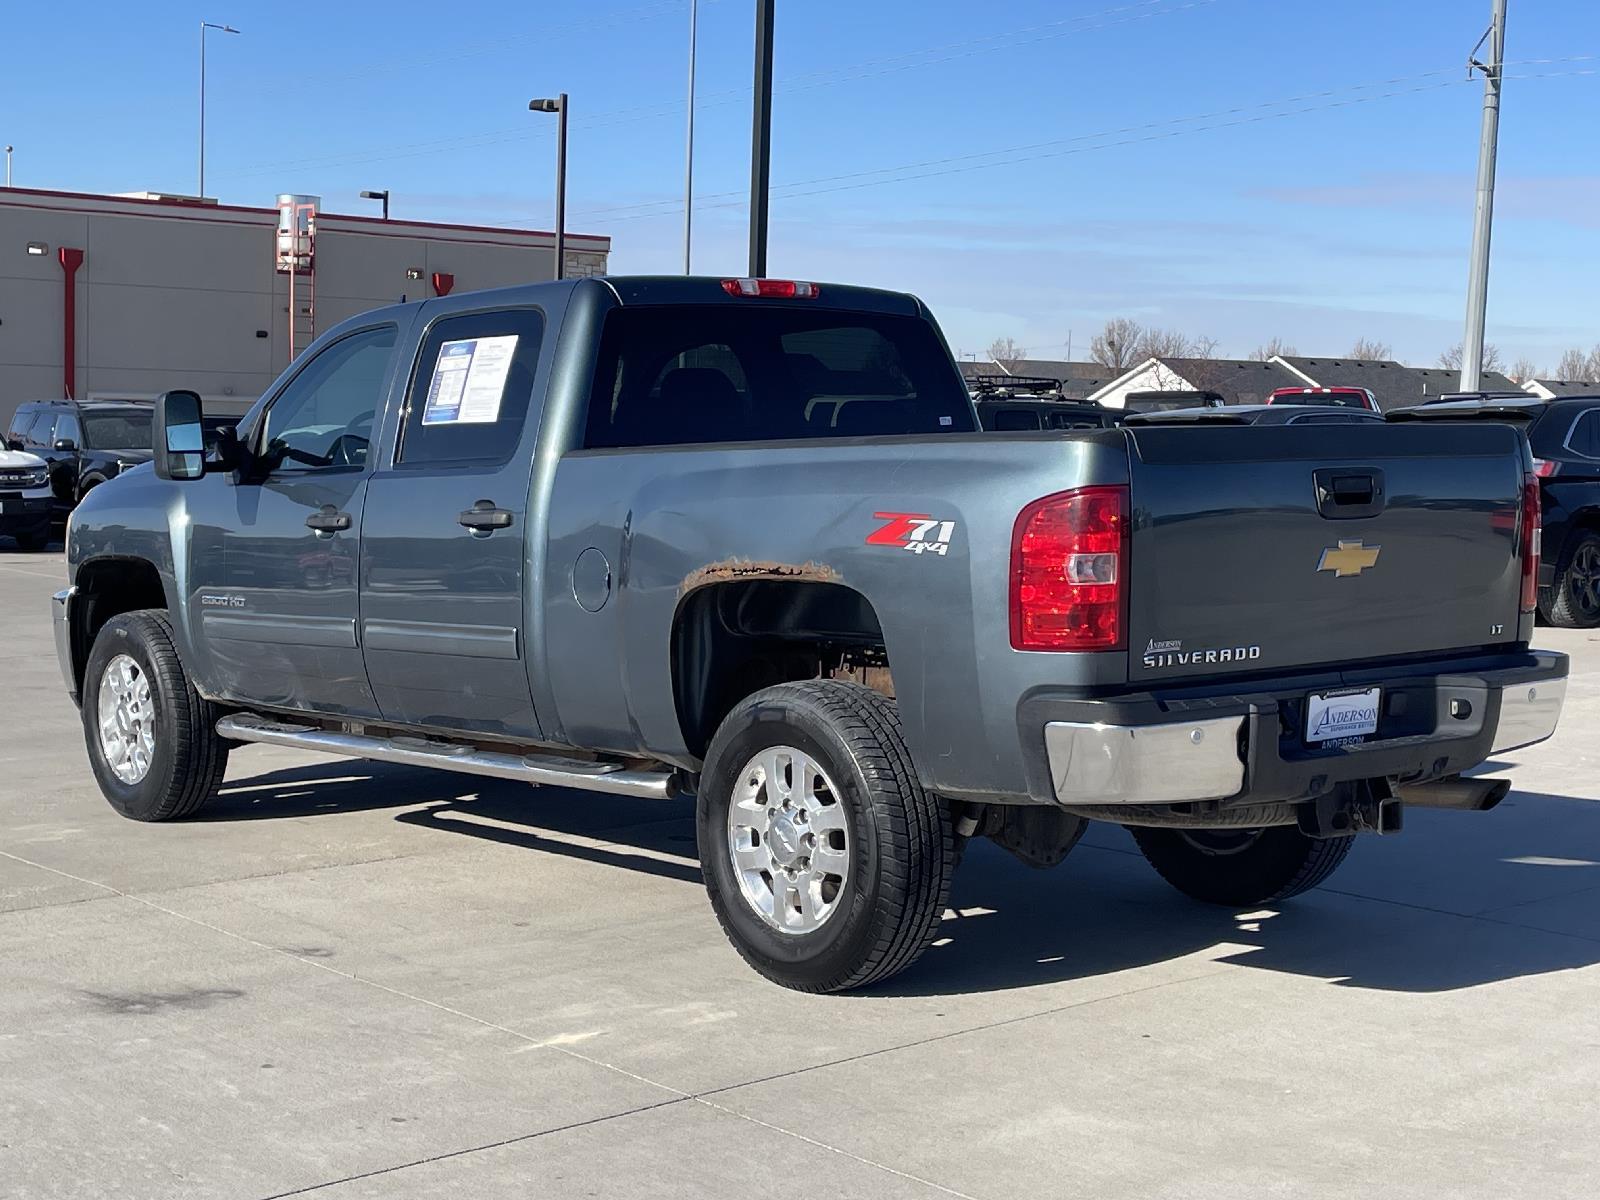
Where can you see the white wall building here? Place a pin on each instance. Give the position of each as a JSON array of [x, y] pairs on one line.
[[127, 296]]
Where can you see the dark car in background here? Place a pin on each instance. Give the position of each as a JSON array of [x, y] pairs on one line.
[[1332, 397], [1257, 414], [1021, 416], [1143, 402], [1564, 435], [86, 442]]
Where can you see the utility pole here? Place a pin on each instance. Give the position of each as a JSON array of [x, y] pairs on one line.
[[761, 139], [688, 153], [1483, 215]]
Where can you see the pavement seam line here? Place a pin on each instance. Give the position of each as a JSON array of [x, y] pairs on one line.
[[955, 1033], [446, 1155], [677, 1094], [820, 1145]]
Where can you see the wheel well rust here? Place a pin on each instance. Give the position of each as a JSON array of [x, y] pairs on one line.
[[747, 626]]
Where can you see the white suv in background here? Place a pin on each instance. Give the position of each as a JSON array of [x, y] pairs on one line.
[[25, 498]]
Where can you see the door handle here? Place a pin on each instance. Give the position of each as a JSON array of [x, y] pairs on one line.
[[1344, 492], [328, 521], [483, 518]]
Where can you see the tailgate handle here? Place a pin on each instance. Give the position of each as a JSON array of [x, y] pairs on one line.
[[1343, 492]]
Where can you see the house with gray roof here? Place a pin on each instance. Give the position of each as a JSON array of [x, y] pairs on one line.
[[1555, 389]]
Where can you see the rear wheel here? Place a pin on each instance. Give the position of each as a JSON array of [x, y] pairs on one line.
[[1574, 600], [1241, 867], [826, 863], [151, 737]]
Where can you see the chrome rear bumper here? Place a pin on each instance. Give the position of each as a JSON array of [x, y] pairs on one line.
[[1238, 749]]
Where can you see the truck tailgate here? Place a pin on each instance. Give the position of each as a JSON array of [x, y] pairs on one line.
[[1260, 548]]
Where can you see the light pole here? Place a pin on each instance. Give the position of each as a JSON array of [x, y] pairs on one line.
[[559, 107], [382, 194], [688, 153], [9, 149], [761, 139], [205, 25], [1483, 214]]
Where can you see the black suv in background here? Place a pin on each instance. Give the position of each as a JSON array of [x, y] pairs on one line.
[[85, 442], [1565, 437]]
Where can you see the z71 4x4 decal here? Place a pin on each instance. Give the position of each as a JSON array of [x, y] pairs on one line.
[[916, 532]]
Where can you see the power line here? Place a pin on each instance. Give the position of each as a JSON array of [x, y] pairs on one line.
[[1076, 138], [1141, 10]]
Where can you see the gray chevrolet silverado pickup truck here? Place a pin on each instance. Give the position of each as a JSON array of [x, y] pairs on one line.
[[742, 540]]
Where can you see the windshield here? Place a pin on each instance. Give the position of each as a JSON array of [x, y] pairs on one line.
[[125, 430]]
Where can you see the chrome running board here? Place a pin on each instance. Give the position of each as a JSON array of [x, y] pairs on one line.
[[547, 769]]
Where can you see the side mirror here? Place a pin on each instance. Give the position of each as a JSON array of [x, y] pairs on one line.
[[66, 444], [179, 440]]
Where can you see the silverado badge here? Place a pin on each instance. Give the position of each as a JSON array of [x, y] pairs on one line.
[[1350, 558]]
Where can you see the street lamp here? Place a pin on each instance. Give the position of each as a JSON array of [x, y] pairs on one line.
[[379, 195], [559, 107], [9, 149], [205, 25]]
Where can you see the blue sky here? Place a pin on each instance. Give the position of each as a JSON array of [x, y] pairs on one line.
[[1241, 169]]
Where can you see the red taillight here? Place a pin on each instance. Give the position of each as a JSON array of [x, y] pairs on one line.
[[1532, 541], [1069, 570], [1544, 467], [777, 289]]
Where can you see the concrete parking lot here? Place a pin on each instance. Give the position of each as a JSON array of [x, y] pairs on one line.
[[352, 980]]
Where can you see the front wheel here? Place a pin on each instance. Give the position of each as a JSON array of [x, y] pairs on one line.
[[151, 737], [826, 863], [1241, 867]]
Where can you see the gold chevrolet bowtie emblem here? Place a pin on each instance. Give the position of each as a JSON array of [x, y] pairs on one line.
[[1351, 558]]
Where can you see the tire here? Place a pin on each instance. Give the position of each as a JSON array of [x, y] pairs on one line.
[[33, 542], [888, 845], [1241, 868], [1573, 602], [183, 763]]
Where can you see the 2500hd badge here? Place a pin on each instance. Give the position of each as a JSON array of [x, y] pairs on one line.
[[1170, 653]]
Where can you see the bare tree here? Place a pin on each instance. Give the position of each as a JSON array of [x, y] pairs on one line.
[[1591, 366], [1007, 353], [1119, 345], [1451, 358], [1172, 343], [1272, 349], [1370, 350], [1523, 370], [1573, 366]]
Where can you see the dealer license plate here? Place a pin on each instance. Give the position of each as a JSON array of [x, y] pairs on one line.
[[1342, 716]]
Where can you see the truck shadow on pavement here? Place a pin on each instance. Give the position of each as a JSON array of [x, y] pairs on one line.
[[1457, 901]]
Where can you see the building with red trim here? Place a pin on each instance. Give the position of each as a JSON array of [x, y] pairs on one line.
[[127, 296]]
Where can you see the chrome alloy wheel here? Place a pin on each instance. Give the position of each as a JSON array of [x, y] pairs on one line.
[[789, 839], [127, 720]]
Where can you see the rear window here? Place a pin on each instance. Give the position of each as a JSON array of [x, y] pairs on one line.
[[128, 430], [697, 374]]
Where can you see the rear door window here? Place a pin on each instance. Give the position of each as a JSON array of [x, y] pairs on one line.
[[469, 397], [697, 374], [1585, 436]]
